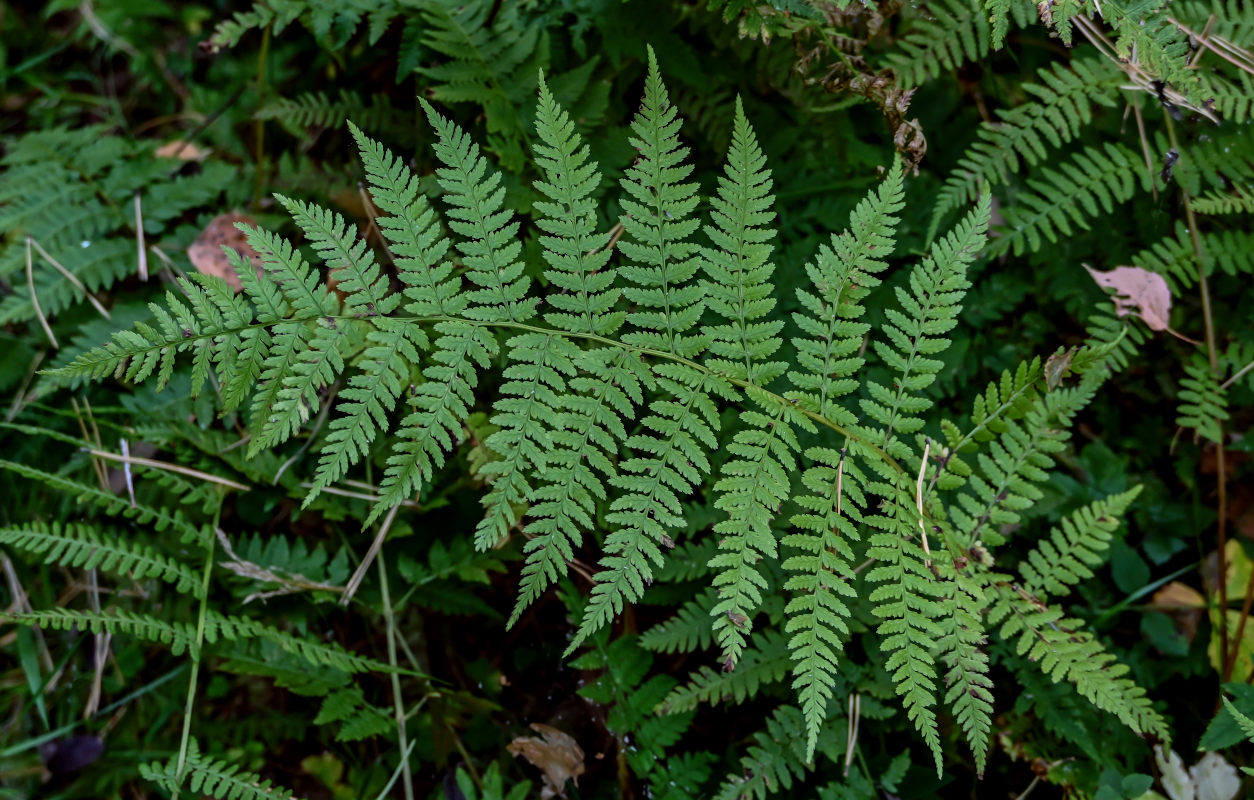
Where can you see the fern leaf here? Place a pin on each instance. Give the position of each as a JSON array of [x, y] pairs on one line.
[[689, 630], [84, 547], [178, 636], [739, 269], [961, 648], [821, 573], [490, 246], [208, 777], [585, 439], [1075, 547], [765, 661], [228, 628], [577, 256], [110, 503], [842, 275], [755, 483], [1063, 199], [349, 258], [368, 399], [774, 761], [657, 223], [1203, 403], [668, 464]]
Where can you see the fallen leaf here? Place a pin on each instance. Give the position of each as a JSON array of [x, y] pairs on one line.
[[183, 150], [1138, 291], [557, 754], [1177, 595], [1057, 366], [206, 252]]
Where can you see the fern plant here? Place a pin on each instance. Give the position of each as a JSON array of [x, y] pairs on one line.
[[650, 369]]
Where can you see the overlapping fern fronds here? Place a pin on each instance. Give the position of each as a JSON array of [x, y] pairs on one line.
[[622, 381]]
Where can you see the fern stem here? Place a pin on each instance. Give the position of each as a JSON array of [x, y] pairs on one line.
[[194, 654], [407, 778]]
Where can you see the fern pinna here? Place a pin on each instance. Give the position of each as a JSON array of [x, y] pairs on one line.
[[611, 412]]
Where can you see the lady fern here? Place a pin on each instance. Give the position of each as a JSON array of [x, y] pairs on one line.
[[648, 364]]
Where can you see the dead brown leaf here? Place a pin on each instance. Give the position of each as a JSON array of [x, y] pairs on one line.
[[206, 252], [556, 753], [1138, 291], [183, 150]]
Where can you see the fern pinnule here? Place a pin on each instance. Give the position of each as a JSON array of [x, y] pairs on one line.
[[180, 637], [84, 547]]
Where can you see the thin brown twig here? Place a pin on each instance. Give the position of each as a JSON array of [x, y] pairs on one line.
[[354, 582], [188, 471], [71, 277], [34, 298]]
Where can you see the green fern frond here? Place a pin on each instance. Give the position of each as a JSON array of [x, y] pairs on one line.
[[1241, 201], [84, 547], [739, 269], [765, 661], [213, 778], [669, 462], [233, 628], [969, 695], [691, 628], [755, 484], [180, 637], [1075, 547], [952, 33], [1065, 652], [657, 223], [1061, 108], [821, 574], [1063, 199], [906, 595], [842, 275], [110, 503], [1203, 404], [774, 761]]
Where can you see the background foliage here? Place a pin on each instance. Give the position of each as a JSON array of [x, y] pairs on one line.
[[1108, 134]]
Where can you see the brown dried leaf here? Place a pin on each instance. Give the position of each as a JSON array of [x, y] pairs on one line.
[[1178, 595], [183, 150], [1138, 291], [557, 754], [206, 252], [1056, 368]]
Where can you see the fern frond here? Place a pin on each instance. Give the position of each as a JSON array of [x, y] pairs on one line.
[[821, 574], [764, 661], [1074, 547], [84, 547], [842, 275], [490, 246], [954, 32], [961, 647], [180, 637], [1062, 106], [906, 597], [110, 503], [577, 256], [368, 399], [1095, 180], [657, 222], [1241, 201], [669, 462], [1203, 404], [774, 761], [739, 269], [213, 778], [320, 654], [584, 440], [1064, 651], [690, 629]]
